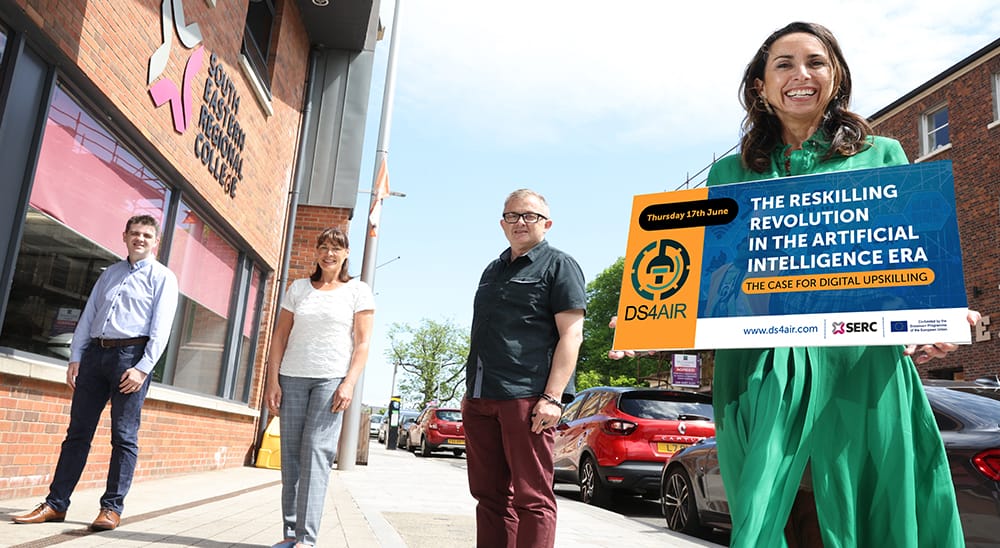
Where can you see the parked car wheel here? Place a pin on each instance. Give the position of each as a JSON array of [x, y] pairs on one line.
[[678, 503], [425, 450], [458, 452], [592, 491]]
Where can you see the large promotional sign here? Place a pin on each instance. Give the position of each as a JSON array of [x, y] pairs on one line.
[[866, 257]]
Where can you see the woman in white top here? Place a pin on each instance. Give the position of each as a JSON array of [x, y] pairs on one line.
[[321, 343]]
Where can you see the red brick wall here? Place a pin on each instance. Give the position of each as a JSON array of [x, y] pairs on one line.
[[173, 439], [975, 154], [309, 222]]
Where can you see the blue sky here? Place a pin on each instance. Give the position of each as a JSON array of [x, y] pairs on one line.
[[589, 107]]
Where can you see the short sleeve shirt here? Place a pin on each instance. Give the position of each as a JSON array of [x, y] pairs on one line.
[[514, 332], [321, 342]]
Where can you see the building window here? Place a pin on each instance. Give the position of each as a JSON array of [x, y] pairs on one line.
[[935, 129], [248, 336], [257, 40], [996, 97], [205, 265], [3, 44], [87, 185]]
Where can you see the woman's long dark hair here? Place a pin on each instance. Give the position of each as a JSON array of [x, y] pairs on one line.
[[338, 238], [848, 132]]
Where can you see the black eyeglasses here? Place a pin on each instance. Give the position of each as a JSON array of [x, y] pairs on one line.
[[512, 218]]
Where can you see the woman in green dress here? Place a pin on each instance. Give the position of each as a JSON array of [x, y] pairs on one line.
[[851, 421]]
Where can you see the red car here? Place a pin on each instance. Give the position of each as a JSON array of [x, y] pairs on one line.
[[437, 429], [615, 440]]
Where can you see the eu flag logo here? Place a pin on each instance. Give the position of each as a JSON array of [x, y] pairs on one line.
[[898, 326]]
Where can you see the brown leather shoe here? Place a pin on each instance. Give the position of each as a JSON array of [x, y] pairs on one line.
[[107, 520], [41, 514]]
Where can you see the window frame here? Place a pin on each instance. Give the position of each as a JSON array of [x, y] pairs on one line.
[[4, 42], [258, 55], [237, 383], [194, 308], [995, 79], [929, 131], [242, 310]]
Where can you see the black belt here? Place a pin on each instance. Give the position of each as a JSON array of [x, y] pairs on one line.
[[115, 343]]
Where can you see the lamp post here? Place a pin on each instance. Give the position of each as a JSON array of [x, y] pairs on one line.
[[348, 450], [392, 387]]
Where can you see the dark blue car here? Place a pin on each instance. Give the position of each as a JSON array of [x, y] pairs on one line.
[[968, 415]]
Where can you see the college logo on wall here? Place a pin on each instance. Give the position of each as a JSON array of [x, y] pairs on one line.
[[221, 140], [166, 91], [660, 269]]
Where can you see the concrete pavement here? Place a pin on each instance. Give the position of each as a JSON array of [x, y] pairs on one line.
[[396, 500]]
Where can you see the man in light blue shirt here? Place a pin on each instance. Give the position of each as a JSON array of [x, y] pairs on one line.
[[121, 334]]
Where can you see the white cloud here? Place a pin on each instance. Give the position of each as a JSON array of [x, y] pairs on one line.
[[649, 71]]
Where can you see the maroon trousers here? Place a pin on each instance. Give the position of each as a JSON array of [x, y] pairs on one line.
[[510, 474]]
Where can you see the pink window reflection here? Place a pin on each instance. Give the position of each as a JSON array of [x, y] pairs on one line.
[[88, 180], [251, 308], [204, 263]]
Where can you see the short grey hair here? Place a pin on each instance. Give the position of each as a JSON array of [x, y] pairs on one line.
[[523, 193]]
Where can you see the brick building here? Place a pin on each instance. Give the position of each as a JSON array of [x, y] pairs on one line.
[[240, 125], [956, 116]]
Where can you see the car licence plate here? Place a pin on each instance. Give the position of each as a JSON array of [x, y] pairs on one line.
[[662, 447], [456, 442]]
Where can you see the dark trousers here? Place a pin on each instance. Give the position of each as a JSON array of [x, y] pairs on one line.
[[100, 373], [510, 474]]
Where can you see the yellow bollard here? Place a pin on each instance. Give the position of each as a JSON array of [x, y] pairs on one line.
[[269, 455]]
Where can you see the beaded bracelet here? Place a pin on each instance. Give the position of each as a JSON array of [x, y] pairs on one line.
[[550, 399]]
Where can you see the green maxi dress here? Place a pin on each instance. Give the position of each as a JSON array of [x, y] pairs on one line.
[[857, 415]]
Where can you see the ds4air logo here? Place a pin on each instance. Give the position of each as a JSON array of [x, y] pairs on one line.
[[660, 269]]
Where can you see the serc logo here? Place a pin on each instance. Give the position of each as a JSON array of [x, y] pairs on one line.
[[843, 328], [660, 270]]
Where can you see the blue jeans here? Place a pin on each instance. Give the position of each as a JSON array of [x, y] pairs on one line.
[[310, 434], [100, 373]]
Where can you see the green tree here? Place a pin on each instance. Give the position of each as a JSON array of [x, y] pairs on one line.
[[594, 367], [431, 358]]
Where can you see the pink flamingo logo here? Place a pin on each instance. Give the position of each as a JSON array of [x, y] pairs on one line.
[[165, 91]]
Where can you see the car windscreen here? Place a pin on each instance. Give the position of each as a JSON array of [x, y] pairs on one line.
[[650, 407], [449, 415]]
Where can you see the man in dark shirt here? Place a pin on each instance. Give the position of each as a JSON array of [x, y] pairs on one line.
[[527, 328]]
